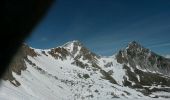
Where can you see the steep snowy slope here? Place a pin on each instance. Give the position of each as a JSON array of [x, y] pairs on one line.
[[71, 72]]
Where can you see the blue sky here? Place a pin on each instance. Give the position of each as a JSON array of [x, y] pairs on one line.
[[105, 26]]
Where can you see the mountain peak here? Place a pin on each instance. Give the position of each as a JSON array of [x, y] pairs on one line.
[[134, 48], [134, 44], [138, 56], [71, 44], [75, 49]]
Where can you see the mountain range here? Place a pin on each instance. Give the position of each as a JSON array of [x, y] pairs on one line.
[[73, 72]]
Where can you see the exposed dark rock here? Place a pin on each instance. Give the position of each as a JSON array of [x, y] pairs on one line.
[[105, 74], [108, 77], [96, 91], [109, 64], [43, 52], [79, 75], [155, 89], [145, 91], [127, 92], [79, 63], [59, 53], [86, 76], [87, 55], [163, 96], [120, 58], [114, 95], [110, 72]]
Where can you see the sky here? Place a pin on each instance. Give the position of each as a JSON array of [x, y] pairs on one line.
[[105, 26]]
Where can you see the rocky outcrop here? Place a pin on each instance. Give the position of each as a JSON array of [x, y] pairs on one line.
[[59, 53]]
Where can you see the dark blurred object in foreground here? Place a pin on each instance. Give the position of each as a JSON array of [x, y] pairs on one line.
[[18, 18]]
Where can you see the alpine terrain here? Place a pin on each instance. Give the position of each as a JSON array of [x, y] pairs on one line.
[[73, 72]]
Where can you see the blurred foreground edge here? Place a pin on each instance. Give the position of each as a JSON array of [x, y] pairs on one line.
[[18, 18]]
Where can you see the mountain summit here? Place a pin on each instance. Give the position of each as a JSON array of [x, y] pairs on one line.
[[72, 71], [139, 57], [73, 46]]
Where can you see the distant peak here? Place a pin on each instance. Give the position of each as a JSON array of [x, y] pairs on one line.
[[135, 48]]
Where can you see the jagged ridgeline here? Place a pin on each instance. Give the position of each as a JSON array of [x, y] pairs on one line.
[[72, 71]]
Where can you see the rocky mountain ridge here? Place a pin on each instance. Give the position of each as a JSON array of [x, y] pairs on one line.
[[134, 68]]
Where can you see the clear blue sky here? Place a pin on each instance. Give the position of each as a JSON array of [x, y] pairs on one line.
[[105, 26]]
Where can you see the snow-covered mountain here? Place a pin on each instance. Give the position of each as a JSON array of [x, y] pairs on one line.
[[73, 72]]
